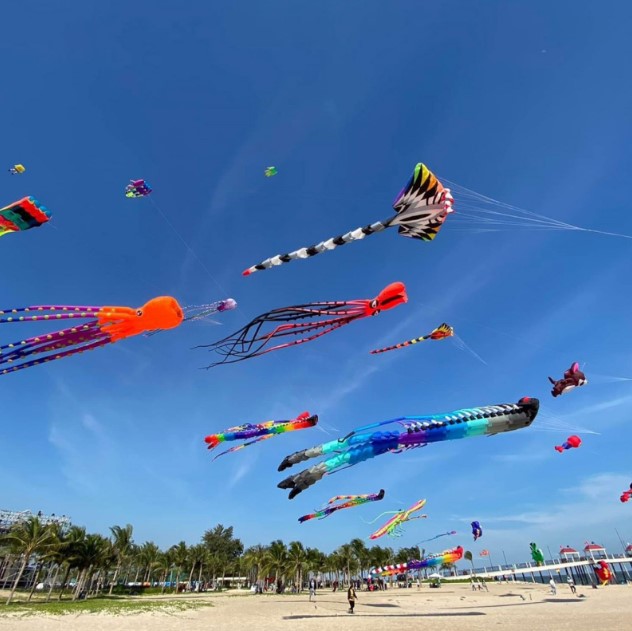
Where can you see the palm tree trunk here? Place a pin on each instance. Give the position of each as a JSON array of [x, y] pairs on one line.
[[18, 577], [113, 583], [164, 581], [63, 583], [54, 581], [191, 576], [38, 569]]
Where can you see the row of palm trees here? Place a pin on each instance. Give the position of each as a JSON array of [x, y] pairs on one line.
[[92, 563]]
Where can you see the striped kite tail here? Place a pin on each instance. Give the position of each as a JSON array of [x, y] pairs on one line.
[[401, 345], [318, 248]]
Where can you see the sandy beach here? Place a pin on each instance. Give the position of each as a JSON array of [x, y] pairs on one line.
[[510, 606]]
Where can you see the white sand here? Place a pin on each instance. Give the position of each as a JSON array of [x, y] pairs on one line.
[[453, 607]]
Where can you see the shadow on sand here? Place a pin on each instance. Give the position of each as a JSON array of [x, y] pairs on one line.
[[396, 615]]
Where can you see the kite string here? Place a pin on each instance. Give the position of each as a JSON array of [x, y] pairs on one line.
[[191, 250]]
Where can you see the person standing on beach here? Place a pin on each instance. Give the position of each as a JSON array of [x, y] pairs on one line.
[[351, 597], [571, 584], [553, 588], [312, 589]]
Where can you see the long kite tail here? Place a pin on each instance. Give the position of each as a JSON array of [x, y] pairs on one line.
[[441, 332], [400, 345], [323, 246]]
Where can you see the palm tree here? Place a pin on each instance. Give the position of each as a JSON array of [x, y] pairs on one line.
[[94, 552], [297, 557], [180, 559], [122, 543], [69, 551], [276, 559], [164, 563], [27, 538], [254, 559], [347, 559], [468, 556], [197, 555], [148, 557], [361, 554]]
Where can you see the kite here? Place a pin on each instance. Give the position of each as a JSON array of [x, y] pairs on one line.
[[573, 377], [422, 206], [137, 188], [353, 500], [250, 341], [440, 333], [393, 527], [270, 171], [22, 215], [258, 431], [105, 325], [443, 534], [536, 554], [572, 442], [16, 169], [360, 445], [484, 553], [431, 561], [603, 572], [477, 531], [626, 496]]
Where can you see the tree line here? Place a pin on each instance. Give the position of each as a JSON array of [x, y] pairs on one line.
[[72, 561]]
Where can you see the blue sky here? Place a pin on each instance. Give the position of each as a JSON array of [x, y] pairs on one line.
[[523, 102]]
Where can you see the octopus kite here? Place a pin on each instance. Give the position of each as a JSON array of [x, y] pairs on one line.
[[419, 431], [626, 495], [352, 500], [440, 333], [251, 341], [258, 431], [22, 215], [137, 188], [572, 442], [421, 208], [477, 531], [573, 378], [105, 325], [431, 561], [393, 527]]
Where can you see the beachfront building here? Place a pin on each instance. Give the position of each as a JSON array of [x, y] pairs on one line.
[[594, 551], [9, 518], [569, 554]]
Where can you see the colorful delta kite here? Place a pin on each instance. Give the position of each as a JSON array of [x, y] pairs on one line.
[[22, 215], [419, 431], [572, 442], [393, 527], [250, 341], [105, 325], [443, 534], [536, 554], [603, 572], [270, 171], [477, 531], [351, 501], [258, 431], [137, 188], [440, 333], [626, 495], [431, 561], [17, 169], [573, 378], [422, 206]]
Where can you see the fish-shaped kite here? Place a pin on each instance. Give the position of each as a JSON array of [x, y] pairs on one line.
[[332, 507], [440, 333], [421, 208], [258, 431]]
